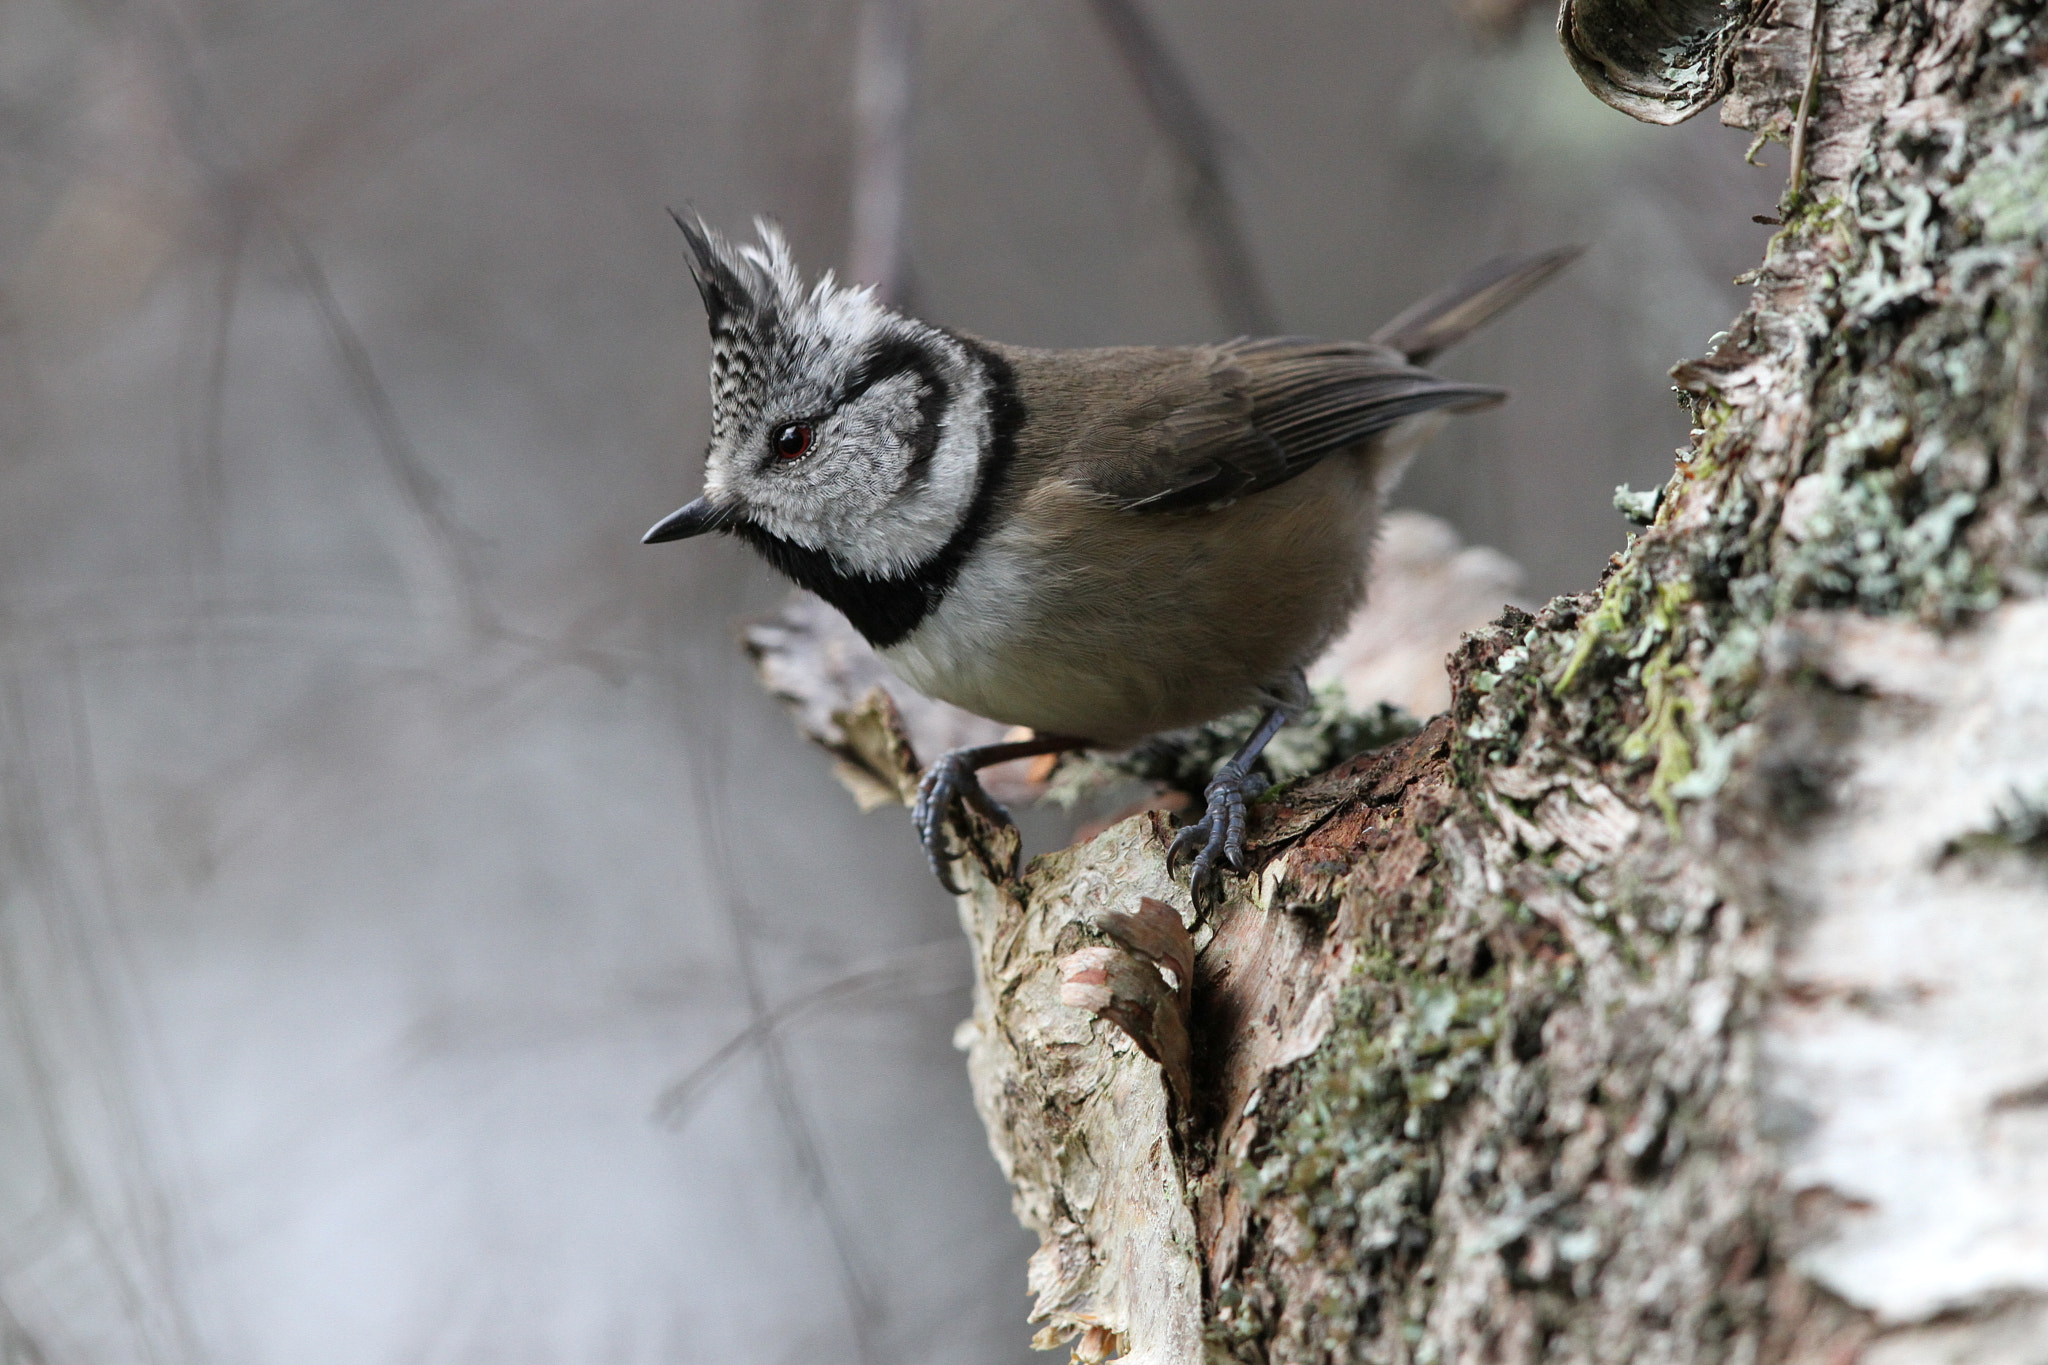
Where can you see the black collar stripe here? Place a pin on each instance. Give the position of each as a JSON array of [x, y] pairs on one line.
[[887, 610]]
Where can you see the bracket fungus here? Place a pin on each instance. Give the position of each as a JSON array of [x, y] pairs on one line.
[[1661, 61]]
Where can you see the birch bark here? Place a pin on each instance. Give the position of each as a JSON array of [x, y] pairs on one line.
[[1674, 996]]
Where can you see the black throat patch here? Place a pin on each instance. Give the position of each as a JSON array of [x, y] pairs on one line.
[[887, 610]]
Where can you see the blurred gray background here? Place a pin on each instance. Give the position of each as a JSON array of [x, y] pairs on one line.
[[387, 833]]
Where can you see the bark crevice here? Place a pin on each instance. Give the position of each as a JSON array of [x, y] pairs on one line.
[[1670, 997]]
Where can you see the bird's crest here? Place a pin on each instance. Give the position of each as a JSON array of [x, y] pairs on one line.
[[762, 315]]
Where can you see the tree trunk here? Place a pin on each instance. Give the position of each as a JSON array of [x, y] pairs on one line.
[[1675, 996]]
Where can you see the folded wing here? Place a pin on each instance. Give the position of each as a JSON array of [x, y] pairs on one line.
[[1251, 414]]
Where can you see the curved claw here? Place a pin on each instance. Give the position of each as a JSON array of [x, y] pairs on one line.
[[949, 778], [1219, 833], [936, 791], [1185, 839]]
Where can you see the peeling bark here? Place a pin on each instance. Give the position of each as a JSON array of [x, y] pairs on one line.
[[1674, 996]]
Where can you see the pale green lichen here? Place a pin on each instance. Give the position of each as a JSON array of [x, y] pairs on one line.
[[1638, 507], [1356, 1164], [1810, 222], [1927, 302], [2007, 192], [1935, 304], [1666, 731], [1672, 721], [1733, 666], [1610, 618]]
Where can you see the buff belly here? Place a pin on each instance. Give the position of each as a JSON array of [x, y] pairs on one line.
[[1079, 620]]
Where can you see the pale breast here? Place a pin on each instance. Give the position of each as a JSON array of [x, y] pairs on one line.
[[1075, 619]]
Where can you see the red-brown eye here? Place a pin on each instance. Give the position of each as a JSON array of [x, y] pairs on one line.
[[793, 442]]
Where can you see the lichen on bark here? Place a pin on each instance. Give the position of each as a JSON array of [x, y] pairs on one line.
[[1606, 1017]]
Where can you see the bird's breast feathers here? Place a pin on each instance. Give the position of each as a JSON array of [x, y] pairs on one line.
[[1074, 618]]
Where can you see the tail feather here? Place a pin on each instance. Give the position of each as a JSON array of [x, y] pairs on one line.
[[1450, 314]]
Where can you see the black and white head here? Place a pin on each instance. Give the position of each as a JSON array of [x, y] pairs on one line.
[[847, 440]]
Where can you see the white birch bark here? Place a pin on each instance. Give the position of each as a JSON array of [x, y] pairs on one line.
[[1676, 996]]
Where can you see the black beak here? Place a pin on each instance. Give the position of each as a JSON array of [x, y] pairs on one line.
[[692, 520]]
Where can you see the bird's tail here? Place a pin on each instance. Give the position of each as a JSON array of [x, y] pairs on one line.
[[1446, 317]]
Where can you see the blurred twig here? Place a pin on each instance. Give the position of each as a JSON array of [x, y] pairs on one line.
[[422, 493], [1196, 143], [863, 1301], [882, 104], [928, 967], [1815, 45], [1496, 19]]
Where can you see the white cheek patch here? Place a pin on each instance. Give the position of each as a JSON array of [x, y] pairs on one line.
[[872, 443], [913, 517], [858, 496], [879, 492]]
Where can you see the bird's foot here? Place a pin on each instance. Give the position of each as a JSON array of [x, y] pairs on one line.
[[950, 778], [1219, 835]]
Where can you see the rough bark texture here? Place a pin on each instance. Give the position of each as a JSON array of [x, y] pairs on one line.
[[1675, 996]]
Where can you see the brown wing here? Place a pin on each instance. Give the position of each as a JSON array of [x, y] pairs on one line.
[[1227, 421]]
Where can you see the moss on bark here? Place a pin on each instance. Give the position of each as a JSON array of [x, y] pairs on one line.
[[1478, 1041]]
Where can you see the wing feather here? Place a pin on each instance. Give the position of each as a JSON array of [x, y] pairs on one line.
[[1238, 418]]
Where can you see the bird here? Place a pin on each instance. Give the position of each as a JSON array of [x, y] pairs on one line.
[[1099, 545]]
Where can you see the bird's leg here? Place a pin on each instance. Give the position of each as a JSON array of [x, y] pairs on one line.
[[1219, 834], [953, 776]]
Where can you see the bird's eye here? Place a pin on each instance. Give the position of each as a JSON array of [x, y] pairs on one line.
[[793, 442]]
